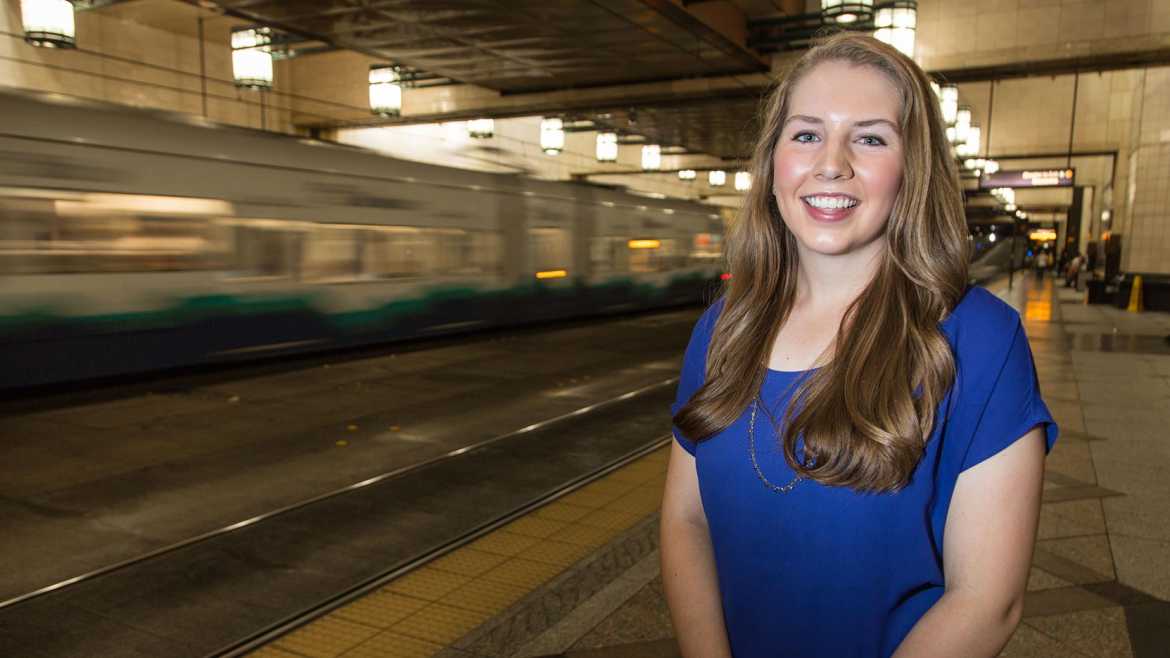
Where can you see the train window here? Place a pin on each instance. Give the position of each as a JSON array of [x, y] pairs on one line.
[[47, 232], [548, 249], [332, 254], [463, 252], [706, 248], [487, 252], [261, 248], [609, 254], [393, 252], [655, 255]]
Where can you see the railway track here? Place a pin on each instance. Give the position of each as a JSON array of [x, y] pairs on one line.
[[254, 579]]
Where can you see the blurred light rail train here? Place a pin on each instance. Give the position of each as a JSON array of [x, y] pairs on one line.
[[135, 240]]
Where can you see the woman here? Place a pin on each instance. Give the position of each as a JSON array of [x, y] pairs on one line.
[[848, 399]]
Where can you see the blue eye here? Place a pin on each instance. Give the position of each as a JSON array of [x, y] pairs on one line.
[[873, 140], [800, 137]]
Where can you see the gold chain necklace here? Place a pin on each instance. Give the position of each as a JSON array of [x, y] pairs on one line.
[[756, 465]]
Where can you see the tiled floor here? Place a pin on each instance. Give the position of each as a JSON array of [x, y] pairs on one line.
[[1099, 580], [433, 607], [579, 578]]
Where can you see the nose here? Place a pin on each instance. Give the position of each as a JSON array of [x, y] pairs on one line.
[[834, 162]]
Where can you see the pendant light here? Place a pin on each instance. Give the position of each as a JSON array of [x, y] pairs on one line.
[[481, 128], [743, 181], [385, 90], [651, 157], [48, 23], [896, 24], [846, 12], [552, 136], [251, 57], [607, 147]]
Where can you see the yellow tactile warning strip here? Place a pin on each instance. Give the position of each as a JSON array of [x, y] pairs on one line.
[[421, 613]]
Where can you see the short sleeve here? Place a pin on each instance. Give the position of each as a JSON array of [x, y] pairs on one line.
[[694, 368], [1011, 407]]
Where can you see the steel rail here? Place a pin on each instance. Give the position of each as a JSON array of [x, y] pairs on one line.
[[307, 616], [395, 473]]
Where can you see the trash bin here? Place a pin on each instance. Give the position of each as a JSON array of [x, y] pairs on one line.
[[1098, 292]]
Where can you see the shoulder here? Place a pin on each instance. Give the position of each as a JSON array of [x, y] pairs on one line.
[[982, 331], [981, 316]]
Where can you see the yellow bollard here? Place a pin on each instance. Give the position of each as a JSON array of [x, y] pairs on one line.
[[1135, 295]]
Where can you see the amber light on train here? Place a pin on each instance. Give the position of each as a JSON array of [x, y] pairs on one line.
[[645, 244], [1043, 234], [552, 274]]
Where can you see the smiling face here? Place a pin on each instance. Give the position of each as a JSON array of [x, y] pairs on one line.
[[839, 158]]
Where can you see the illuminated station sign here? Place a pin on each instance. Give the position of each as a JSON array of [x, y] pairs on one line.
[[1028, 178]]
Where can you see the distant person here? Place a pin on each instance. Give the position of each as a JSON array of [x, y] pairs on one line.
[[849, 398], [1041, 264], [1066, 256], [1072, 271]]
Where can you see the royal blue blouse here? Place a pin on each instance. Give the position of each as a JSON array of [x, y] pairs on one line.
[[827, 571]]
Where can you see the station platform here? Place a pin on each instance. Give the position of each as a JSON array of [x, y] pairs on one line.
[[579, 577]]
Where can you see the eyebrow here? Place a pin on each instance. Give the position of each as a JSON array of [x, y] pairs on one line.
[[862, 124]]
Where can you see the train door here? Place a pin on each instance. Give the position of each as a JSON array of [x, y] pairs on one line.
[[511, 218], [551, 222]]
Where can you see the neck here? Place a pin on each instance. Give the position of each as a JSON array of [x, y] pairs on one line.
[[835, 281]]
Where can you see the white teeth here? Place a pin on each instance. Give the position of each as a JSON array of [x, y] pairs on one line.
[[830, 202]]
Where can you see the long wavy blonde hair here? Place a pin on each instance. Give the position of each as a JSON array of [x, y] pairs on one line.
[[865, 416]]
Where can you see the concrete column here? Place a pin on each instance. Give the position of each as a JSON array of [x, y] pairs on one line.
[[1147, 245]]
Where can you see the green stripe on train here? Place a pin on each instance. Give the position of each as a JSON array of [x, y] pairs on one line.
[[189, 310]]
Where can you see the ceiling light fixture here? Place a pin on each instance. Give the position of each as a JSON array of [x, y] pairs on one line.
[[717, 178], [962, 124], [252, 57], [743, 181], [385, 90], [948, 100], [607, 147], [651, 157], [846, 12], [896, 24], [481, 128], [552, 136], [48, 23]]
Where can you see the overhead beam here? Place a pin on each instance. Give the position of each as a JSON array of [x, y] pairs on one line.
[[1057, 66], [496, 106], [730, 166], [691, 23]]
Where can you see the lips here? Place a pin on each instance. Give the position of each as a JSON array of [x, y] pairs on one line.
[[831, 213]]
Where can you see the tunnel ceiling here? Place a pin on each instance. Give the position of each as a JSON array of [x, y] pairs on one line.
[[515, 46]]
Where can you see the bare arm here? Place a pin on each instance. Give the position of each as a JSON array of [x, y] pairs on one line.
[[987, 549], [688, 564]]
